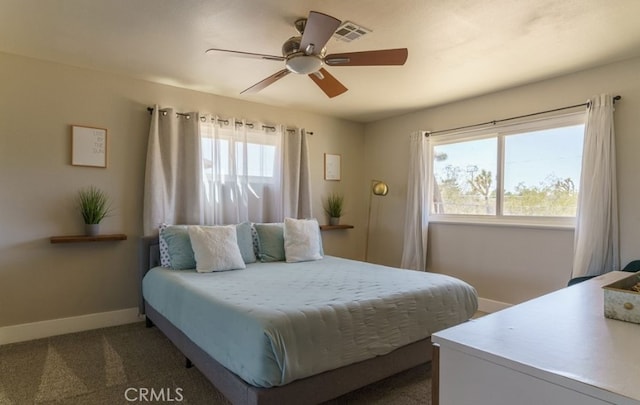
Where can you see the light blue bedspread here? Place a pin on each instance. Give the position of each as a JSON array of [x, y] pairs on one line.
[[273, 323]]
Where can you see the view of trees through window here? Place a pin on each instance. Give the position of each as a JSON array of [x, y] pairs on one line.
[[465, 177], [540, 175]]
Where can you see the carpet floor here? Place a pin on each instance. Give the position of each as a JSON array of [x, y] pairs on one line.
[[118, 365]]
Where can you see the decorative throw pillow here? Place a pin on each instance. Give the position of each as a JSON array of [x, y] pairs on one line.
[[302, 240], [245, 242], [271, 237], [164, 249], [179, 248], [215, 248], [256, 240], [176, 252]]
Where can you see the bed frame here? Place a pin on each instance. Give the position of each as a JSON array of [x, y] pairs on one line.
[[318, 388]]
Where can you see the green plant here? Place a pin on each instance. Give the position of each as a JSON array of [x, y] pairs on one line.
[[334, 205], [94, 204]]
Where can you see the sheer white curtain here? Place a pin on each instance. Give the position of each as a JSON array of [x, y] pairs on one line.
[[204, 170], [416, 224], [596, 248], [241, 171]]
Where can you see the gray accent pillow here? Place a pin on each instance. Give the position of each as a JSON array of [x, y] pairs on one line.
[[271, 238]]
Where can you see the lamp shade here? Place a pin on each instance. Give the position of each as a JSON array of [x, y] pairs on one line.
[[380, 188]]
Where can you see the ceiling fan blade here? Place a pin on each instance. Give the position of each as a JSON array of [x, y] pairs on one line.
[[383, 57], [317, 32], [329, 84], [266, 82], [247, 54]]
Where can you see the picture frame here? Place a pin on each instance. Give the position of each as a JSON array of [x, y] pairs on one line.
[[88, 146], [332, 167]]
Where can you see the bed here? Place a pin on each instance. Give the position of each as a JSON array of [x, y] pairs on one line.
[[304, 332]]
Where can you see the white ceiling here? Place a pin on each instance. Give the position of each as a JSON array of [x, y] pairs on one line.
[[457, 48]]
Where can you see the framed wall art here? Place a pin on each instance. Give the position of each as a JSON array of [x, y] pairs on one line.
[[332, 167], [88, 146]]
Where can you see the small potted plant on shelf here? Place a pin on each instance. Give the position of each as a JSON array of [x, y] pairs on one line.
[[94, 207], [334, 206]]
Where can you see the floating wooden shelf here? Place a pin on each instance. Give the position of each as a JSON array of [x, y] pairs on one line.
[[334, 227], [85, 238]]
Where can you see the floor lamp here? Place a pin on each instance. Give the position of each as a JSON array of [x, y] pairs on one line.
[[377, 188]]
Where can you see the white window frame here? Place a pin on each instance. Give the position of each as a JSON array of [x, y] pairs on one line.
[[499, 131]]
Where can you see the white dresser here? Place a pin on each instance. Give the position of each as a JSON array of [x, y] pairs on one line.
[[557, 349]]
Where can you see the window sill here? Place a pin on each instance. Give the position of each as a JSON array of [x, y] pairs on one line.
[[516, 222]]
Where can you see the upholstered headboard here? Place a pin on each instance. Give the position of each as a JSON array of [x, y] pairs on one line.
[[149, 258]]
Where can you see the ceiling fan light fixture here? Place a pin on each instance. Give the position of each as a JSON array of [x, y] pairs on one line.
[[303, 64], [337, 61]]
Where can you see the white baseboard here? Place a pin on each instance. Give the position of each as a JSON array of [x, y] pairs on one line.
[[489, 306], [53, 327]]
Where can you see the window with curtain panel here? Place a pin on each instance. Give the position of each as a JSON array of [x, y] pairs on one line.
[[241, 171], [520, 172], [209, 171]]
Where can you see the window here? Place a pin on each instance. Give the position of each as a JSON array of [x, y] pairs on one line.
[[241, 171], [527, 170], [260, 159], [259, 150]]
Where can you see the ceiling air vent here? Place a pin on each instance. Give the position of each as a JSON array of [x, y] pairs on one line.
[[349, 31]]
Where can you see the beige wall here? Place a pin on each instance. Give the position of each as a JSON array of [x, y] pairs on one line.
[[506, 264], [38, 102]]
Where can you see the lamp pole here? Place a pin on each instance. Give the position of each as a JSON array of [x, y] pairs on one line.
[[377, 188]]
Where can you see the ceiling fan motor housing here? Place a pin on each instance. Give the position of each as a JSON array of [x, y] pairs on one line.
[[297, 61], [291, 46]]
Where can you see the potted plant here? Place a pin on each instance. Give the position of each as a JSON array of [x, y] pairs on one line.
[[334, 207], [94, 206]]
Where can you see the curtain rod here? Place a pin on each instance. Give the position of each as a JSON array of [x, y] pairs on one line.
[[249, 124], [494, 122]]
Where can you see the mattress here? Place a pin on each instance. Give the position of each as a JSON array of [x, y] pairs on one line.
[[273, 323]]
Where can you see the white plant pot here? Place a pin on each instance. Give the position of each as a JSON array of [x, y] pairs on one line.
[[334, 221], [91, 229]]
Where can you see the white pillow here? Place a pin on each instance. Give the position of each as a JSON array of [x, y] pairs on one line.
[[301, 240], [215, 248]]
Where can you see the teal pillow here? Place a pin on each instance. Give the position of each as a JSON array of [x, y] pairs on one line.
[[271, 240], [181, 255], [245, 242]]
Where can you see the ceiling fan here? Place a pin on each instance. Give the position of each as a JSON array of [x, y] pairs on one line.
[[306, 54]]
